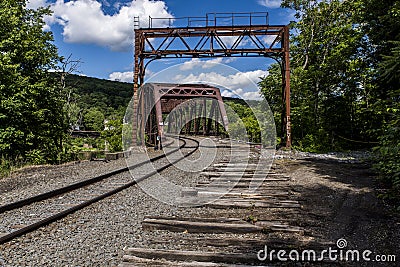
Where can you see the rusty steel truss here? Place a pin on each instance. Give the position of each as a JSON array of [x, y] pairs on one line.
[[187, 108], [211, 36]]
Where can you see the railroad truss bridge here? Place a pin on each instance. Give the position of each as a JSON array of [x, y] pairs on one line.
[[201, 37], [180, 108]]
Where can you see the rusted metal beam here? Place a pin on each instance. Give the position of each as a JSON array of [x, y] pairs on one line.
[[157, 99], [209, 41], [287, 87], [193, 31]]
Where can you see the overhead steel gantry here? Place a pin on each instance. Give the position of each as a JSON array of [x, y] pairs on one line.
[[215, 35]]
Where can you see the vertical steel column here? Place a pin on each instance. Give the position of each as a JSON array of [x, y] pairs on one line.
[[175, 120], [287, 86], [143, 110], [195, 127], [150, 117], [136, 89], [143, 118], [158, 111], [180, 120], [198, 120], [283, 107], [204, 116], [222, 110], [216, 123], [209, 121], [138, 78], [137, 115], [186, 113], [190, 118]]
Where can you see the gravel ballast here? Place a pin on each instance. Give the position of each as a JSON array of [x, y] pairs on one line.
[[95, 236], [332, 207]]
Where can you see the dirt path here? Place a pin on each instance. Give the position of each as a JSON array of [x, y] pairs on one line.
[[339, 202]]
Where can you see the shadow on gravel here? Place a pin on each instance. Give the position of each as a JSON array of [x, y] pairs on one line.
[[339, 201], [357, 175]]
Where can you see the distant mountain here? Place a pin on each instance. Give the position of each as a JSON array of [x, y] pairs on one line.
[[110, 96], [106, 95]]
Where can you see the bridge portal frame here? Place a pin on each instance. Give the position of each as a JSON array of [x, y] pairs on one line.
[[159, 99], [210, 43]]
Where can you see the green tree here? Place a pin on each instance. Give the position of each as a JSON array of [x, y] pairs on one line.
[[327, 70], [94, 119], [243, 123], [382, 25], [31, 106], [113, 134]]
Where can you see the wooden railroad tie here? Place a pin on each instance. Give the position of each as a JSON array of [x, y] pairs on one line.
[[245, 175], [248, 203], [189, 258], [216, 225]]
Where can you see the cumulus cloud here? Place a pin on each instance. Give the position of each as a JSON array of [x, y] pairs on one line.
[[126, 76], [121, 76], [204, 64], [230, 40], [240, 84], [84, 21], [237, 84], [245, 95], [35, 4], [269, 39], [270, 3]]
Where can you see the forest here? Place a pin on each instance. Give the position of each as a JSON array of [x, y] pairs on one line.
[[345, 87]]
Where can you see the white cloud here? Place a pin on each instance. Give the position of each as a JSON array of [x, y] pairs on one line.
[[204, 64], [84, 21], [242, 84], [238, 84], [270, 3], [230, 40], [245, 95], [269, 39], [126, 76], [35, 4], [252, 96], [121, 76]]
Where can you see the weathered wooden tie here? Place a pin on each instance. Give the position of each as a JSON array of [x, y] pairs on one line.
[[190, 256], [134, 261], [248, 203], [243, 175], [215, 225]]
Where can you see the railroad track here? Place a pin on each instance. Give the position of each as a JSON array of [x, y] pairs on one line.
[[59, 203], [236, 220]]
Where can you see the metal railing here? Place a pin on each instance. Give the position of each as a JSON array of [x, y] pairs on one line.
[[212, 20]]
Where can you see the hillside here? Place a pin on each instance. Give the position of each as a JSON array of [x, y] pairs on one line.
[[108, 96]]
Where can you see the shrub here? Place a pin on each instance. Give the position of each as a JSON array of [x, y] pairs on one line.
[[388, 160]]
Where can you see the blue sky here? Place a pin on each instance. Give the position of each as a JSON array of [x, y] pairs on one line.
[[100, 34]]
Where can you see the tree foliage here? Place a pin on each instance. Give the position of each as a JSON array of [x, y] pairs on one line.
[[94, 120], [382, 24], [110, 98], [345, 78], [243, 123], [30, 110], [327, 74], [113, 134]]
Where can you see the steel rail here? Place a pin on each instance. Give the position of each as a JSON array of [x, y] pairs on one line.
[[53, 193], [64, 213]]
